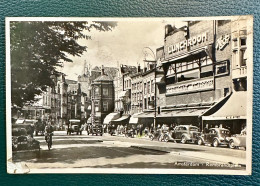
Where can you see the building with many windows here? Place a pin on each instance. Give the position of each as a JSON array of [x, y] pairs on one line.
[[102, 97], [204, 66]]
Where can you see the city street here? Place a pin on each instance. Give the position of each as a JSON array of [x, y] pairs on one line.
[[83, 151]]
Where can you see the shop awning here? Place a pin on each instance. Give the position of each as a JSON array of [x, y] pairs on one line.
[[234, 108], [134, 118], [123, 94], [123, 120], [89, 120], [175, 113], [110, 117]]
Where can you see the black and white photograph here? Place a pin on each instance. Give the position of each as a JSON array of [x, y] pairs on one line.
[[129, 95]]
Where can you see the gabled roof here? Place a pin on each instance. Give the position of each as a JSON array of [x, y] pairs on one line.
[[103, 78]]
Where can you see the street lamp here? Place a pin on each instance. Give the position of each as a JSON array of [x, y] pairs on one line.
[[146, 53]]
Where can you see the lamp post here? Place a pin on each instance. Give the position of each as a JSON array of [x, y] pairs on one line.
[[145, 51]]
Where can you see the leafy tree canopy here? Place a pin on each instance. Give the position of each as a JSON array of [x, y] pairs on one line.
[[38, 48]]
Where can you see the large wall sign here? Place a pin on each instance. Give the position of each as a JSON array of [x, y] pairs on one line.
[[179, 43], [222, 42], [186, 43], [200, 85]]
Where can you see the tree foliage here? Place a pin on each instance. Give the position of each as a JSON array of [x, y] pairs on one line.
[[38, 48]]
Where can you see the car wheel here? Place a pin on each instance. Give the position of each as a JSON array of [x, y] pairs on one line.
[[200, 142], [231, 144], [183, 140], [215, 143]]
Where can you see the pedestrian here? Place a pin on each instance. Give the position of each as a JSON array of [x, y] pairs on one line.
[[206, 129]]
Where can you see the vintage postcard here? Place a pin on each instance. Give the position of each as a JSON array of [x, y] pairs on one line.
[[129, 95]]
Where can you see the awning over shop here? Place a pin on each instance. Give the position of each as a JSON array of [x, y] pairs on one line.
[[234, 108], [176, 113], [123, 94], [89, 120], [110, 117], [123, 120], [134, 118]]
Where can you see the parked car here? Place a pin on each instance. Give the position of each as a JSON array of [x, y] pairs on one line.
[[238, 140], [74, 127], [22, 141], [186, 133], [215, 137]]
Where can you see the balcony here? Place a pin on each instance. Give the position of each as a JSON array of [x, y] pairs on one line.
[[190, 86], [239, 72]]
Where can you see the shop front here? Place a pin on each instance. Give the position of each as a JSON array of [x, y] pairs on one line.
[[232, 115]]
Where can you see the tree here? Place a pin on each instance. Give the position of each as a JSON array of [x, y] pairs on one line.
[[38, 48]]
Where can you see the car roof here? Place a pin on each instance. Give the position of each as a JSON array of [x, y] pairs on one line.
[[186, 126], [74, 120], [34, 120], [219, 129]]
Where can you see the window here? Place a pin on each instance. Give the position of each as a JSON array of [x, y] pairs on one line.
[[242, 57], [105, 106], [148, 87], [105, 91], [234, 58], [221, 68], [145, 103], [239, 56], [242, 41], [145, 88], [96, 91], [97, 106], [152, 88]]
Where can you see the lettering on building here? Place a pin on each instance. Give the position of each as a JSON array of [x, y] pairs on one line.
[[200, 85], [187, 43], [222, 42]]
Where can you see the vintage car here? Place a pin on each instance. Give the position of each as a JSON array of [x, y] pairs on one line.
[[215, 137], [95, 128], [74, 127], [238, 140], [22, 141], [185, 133]]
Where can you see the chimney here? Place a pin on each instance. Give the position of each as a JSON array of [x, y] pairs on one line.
[[102, 70], [138, 68]]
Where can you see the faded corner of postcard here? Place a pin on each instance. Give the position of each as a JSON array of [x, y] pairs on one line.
[[129, 95]]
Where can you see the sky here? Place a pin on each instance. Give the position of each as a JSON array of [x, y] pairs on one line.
[[123, 45]]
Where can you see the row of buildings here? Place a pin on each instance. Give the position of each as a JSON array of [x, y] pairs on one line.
[[199, 77]]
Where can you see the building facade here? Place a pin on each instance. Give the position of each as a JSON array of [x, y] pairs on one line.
[[102, 96], [201, 65]]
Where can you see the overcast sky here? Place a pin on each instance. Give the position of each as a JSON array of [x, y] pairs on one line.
[[123, 45]]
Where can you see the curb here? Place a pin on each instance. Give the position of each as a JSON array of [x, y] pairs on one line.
[[147, 148]]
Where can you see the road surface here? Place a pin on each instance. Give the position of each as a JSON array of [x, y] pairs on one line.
[[83, 151]]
